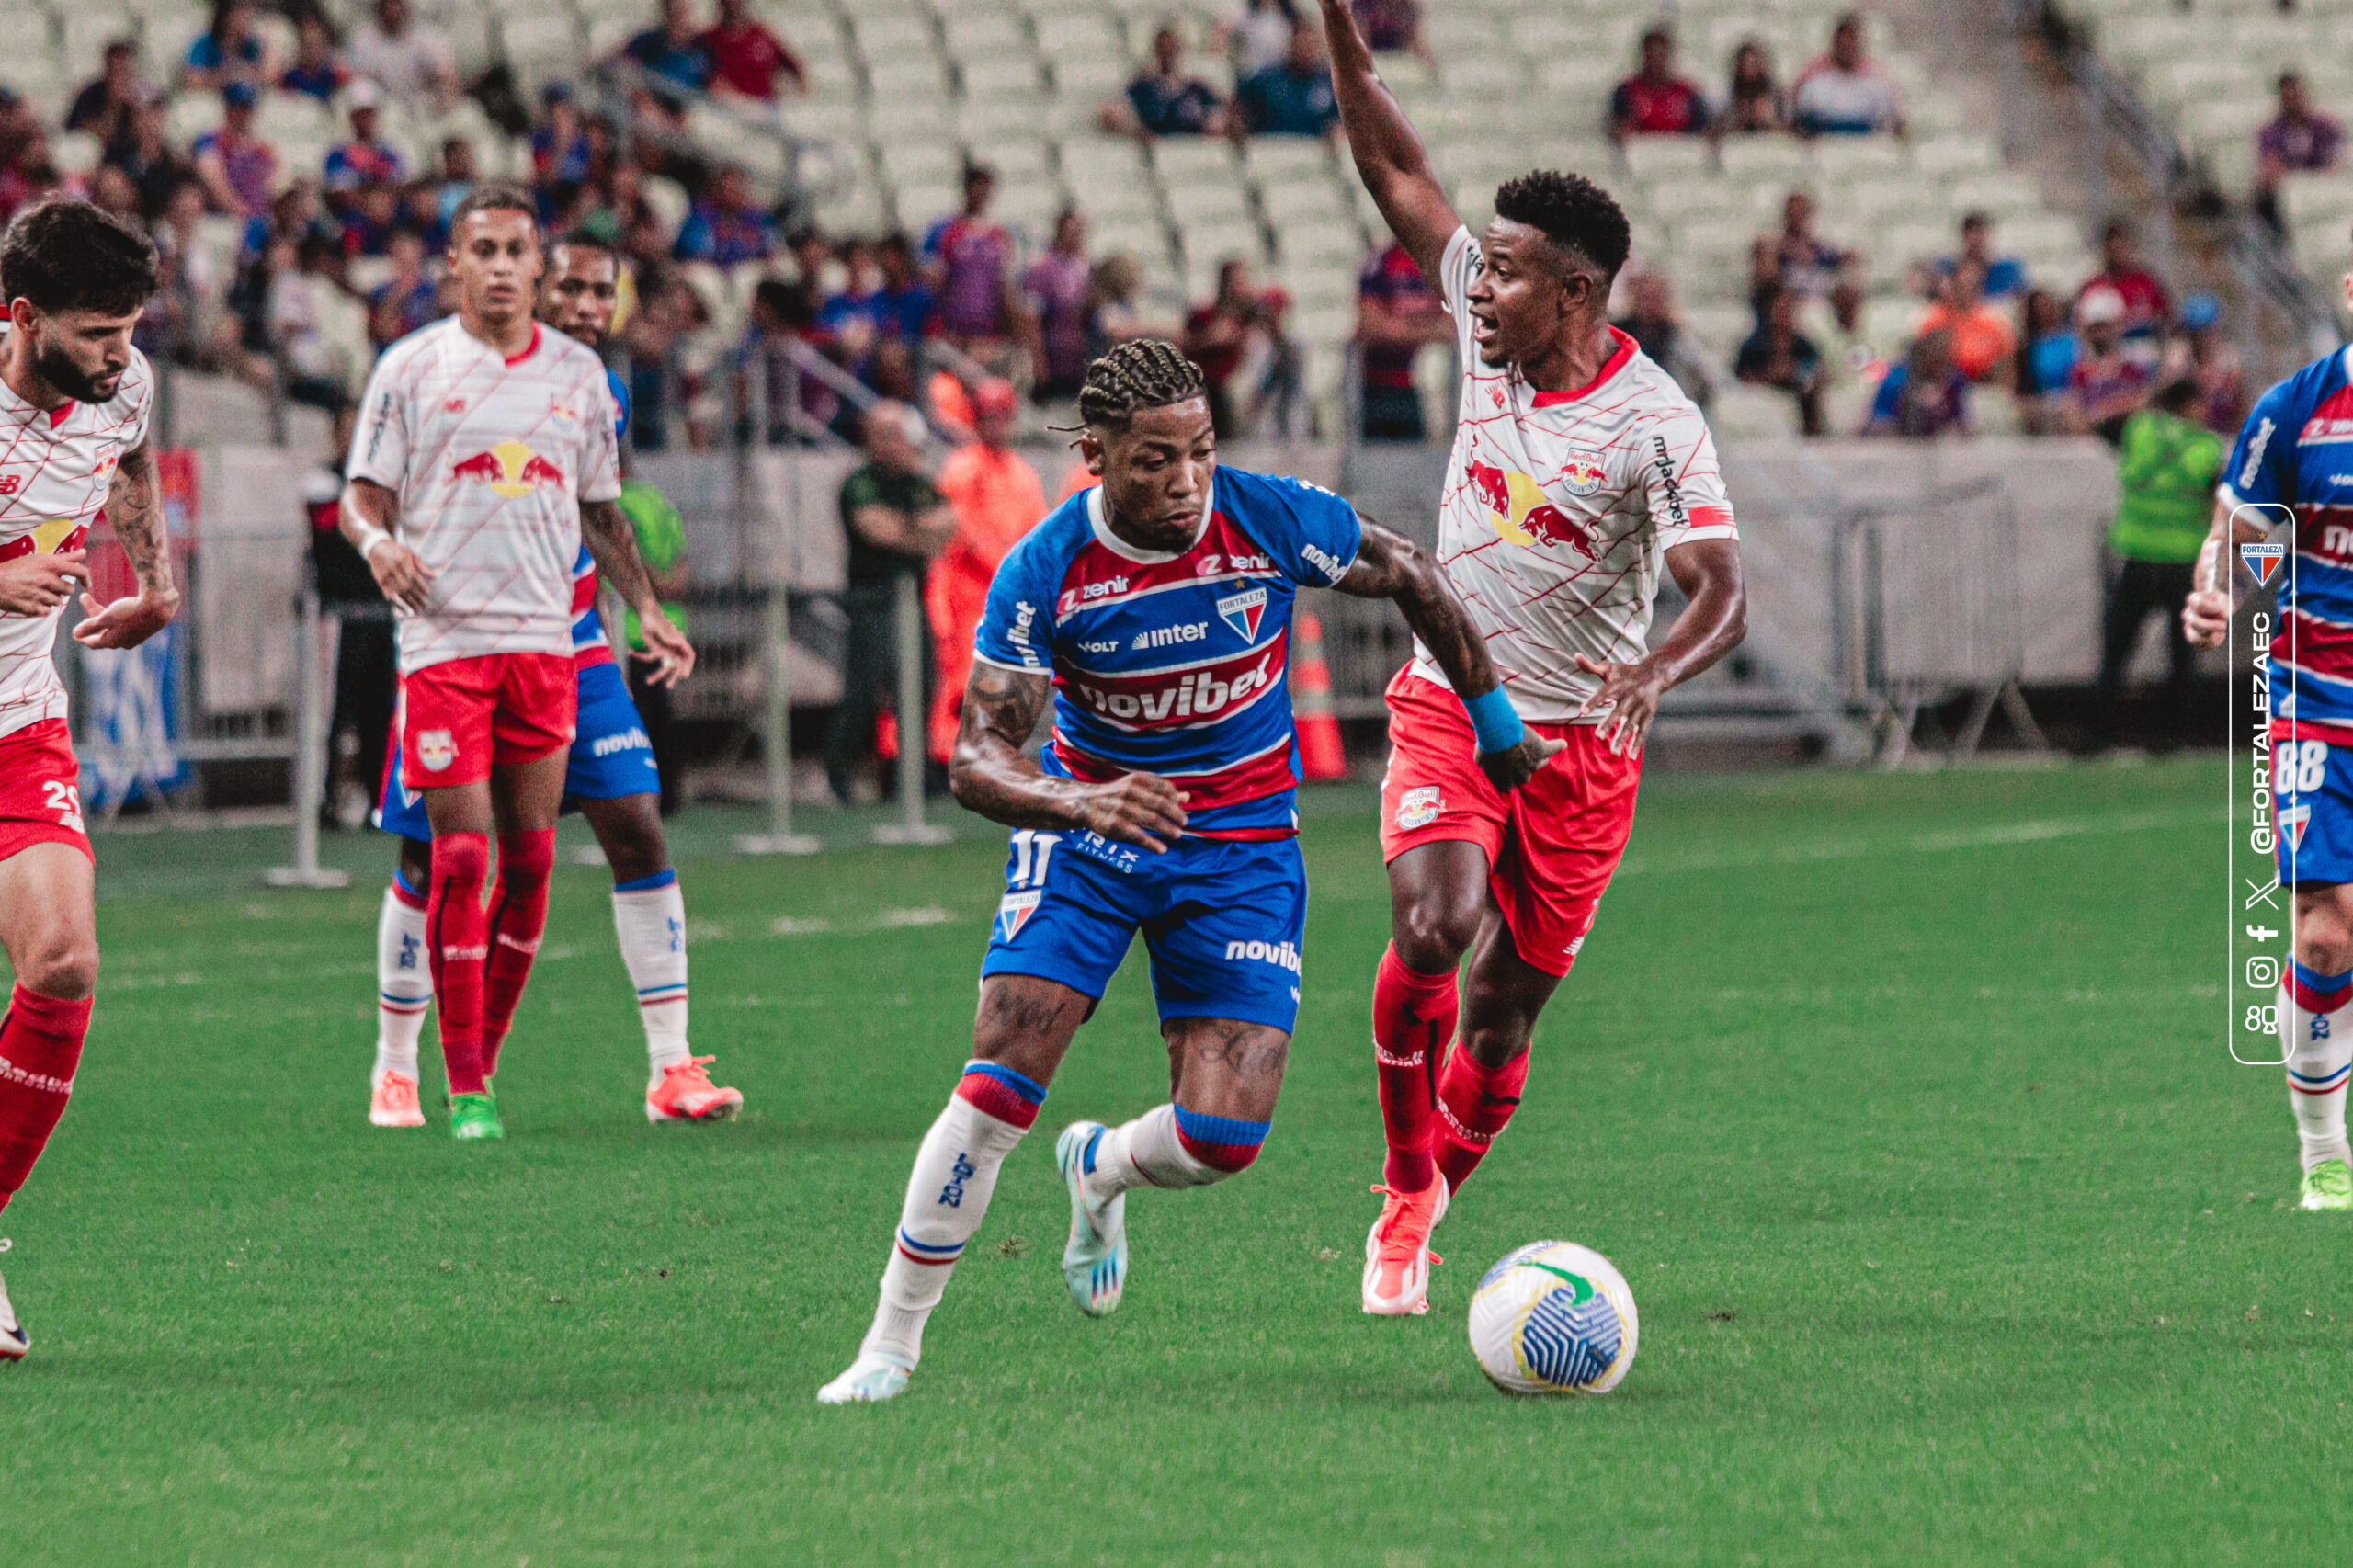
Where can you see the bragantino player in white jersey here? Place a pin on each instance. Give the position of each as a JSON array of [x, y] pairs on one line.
[[484, 459], [1579, 472], [609, 777], [74, 399]]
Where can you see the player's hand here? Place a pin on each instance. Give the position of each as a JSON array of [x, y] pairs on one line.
[[2206, 617], [666, 649], [1630, 693], [1507, 770], [127, 622], [1142, 809], [402, 577], [34, 585]]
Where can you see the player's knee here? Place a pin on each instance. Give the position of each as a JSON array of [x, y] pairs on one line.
[[62, 965], [634, 845], [527, 859], [1431, 936], [462, 858]]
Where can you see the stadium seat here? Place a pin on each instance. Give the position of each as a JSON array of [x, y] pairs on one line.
[[1651, 159], [1777, 160]]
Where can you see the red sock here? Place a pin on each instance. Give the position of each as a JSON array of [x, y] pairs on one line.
[[41, 1045], [1413, 1017], [518, 917], [1474, 1104], [457, 940]]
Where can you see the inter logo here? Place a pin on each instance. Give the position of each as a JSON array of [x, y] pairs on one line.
[[1243, 611], [1013, 912], [2262, 560]]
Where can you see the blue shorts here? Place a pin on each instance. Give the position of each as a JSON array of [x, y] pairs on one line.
[[1222, 921], [611, 756], [2312, 783]]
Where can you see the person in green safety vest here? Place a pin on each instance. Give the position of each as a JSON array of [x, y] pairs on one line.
[[662, 545], [2166, 466]]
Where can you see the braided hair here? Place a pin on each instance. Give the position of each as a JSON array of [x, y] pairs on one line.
[[1144, 372]]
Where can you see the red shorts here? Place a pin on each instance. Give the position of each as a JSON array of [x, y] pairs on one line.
[[40, 793], [461, 716], [1552, 847]]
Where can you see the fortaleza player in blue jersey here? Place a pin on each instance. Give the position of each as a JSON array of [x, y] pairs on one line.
[[1156, 611], [611, 780], [2293, 465]]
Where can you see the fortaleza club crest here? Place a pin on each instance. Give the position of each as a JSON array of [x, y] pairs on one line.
[[2293, 821], [1014, 910], [2263, 560], [510, 468], [436, 750], [1243, 611]]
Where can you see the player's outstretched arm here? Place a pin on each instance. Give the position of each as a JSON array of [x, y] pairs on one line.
[[2206, 614], [612, 544], [1712, 625], [1390, 567], [365, 519], [1389, 158], [136, 513], [991, 774]]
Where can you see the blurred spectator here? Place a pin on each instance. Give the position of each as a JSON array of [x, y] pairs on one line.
[[148, 160], [2298, 139], [747, 60], [1295, 98], [892, 373], [1237, 340], [1796, 261], [231, 50], [971, 257], [25, 168], [894, 522], [1854, 359], [2166, 464], [1842, 94], [2045, 365], [561, 149], [406, 301], [371, 218], [299, 306], [1752, 100], [109, 108], [1390, 26], [1397, 311], [1927, 395], [2108, 381], [457, 179], [1982, 338], [996, 497], [1111, 314], [857, 314], [654, 346], [111, 191], [180, 315], [1055, 288], [782, 330], [673, 49], [1777, 355], [1650, 320], [726, 226], [1163, 101], [905, 293], [1655, 101], [237, 167], [364, 158], [407, 57], [2005, 275], [2200, 355], [2148, 309], [1255, 35], [315, 72]]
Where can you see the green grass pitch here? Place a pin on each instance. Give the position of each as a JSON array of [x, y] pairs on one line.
[[1903, 1102]]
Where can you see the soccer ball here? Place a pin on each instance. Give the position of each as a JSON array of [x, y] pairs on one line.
[[1554, 1317]]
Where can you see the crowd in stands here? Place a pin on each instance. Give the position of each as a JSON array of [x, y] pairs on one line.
[[1840, 93]]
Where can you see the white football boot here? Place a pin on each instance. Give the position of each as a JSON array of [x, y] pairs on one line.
[[13, 1341], [1397, 1256], [1094, 1260], [871, 1379]]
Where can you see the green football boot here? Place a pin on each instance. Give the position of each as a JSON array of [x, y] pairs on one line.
[[476, 1116], [2328, 1185]]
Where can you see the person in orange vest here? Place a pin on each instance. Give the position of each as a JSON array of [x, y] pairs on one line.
[[996, 497]]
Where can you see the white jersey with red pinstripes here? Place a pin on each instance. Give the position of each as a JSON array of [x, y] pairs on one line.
[[490, 458], [1558, 508], [55, 468]]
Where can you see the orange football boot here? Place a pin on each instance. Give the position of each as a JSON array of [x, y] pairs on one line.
[[1397, 1256], [391, 1101], [687, 1093]]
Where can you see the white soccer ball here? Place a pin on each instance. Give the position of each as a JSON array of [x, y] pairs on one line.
[[1554, 1317]]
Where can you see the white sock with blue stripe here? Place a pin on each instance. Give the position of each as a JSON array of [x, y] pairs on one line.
[[404, 981], [650, 918], [948, 1196], [2319, 1049]]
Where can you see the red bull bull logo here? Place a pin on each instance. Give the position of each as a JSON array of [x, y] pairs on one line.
[[51, 538], [509, 468], [1521, 513]]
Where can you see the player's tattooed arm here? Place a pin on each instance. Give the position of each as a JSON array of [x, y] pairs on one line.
[[1712, 625], [612, 544], [135, 512], [366, 517], [990, 772], [1389, 158], [2206, 614], [1390, 567]]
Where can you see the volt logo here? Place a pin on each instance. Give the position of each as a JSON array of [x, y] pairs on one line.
[[1243, 612]]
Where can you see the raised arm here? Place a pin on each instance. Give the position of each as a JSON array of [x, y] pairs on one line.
[[1389, 567], [612, 544], [1712, 625], [137, 517], [991, 774], [1389, 158]]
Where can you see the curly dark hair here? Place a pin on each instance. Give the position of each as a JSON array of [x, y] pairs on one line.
[[1144, 372], [67, 254], [1572, 213]]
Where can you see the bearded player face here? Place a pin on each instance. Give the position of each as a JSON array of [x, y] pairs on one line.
[[82, 354]]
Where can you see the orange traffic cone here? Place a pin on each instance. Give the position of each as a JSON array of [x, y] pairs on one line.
[[1320, 752]]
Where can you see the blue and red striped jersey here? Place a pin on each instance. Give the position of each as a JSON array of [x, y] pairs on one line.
[[589, 644], [1175, 663], [2296, 450]]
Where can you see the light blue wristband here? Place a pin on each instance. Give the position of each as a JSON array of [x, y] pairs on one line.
[[1494, 720]]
